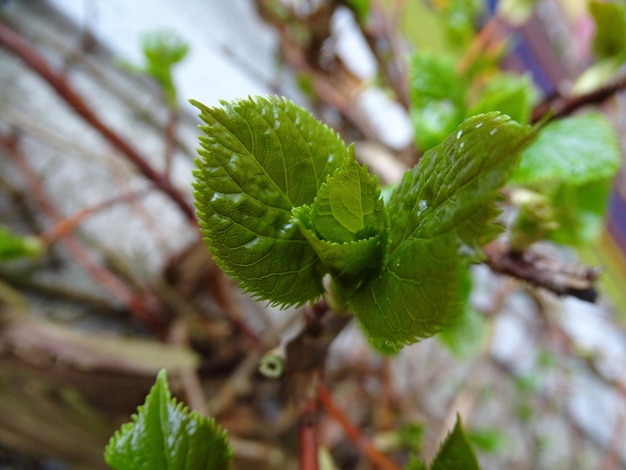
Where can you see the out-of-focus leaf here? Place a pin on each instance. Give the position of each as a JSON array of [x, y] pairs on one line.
[[610, 37], [440, 216], [573, 162], [361, 9], [580, 211], [415, 464], [465, 335], [455, 452], [574, 150], [487, 440], [164, 434], [510, 94], [437, 98], [459, 19], [260, 158], [13, 246], [599, 74]]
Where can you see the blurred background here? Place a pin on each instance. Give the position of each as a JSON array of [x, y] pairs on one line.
[[104, 279]]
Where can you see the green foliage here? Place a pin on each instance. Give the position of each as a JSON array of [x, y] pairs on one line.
[[510, 94], [487, 440], [465, 335], [13, 246], [345, 225], [610, 37], [437, 98], [164, 434], [456, 452], [609, 45], [282, 202], [440, 215], [440, 97], [261, 158], [572, 162], [459, 20], [162, 50]]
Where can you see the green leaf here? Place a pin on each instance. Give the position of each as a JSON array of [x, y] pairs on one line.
[[164, 434], [574, 150], [415, 464], [440, 216], [459, 21], [345, 226], [259, 159], [487, 440], [510, 94], [455, 452], [348, 205], [579, 212], [573, 162], [610, 37], [13, 246], [464, 336], [437, 98]]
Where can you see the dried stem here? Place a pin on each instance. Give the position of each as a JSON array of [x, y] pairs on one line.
[[102, 276], [20, 47]]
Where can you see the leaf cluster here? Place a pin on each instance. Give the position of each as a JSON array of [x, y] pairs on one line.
[[282, 202]]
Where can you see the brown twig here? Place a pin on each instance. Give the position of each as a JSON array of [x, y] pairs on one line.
[[560, 106], [13, 42], [67, 225], [542, 271], [102, 276]]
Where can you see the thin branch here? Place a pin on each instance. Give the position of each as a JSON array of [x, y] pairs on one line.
[[67, 225], [560, 107], [543, 271], [102, 276], [353, 433], [13, 42]]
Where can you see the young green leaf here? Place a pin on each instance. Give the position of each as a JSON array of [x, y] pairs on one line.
[[346, 226], [455, 452], [437, 98], [440, 216], [348, 205], [259, 159], [165, 434], [510, 94]]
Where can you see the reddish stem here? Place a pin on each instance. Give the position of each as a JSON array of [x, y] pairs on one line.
[[352, 433], [307, 435], [102, 276], [20, 47]]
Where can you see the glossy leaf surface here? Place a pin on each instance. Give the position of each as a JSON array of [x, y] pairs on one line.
[[260, 158], [164, 434], [440, 216], [346, 225]]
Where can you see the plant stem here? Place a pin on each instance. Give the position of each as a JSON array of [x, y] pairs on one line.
[[352, 433], [20, 47]]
